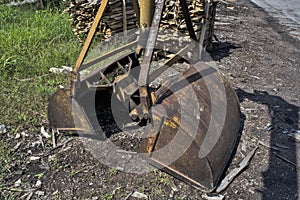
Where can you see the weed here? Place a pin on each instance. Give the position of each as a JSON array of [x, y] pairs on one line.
[[73, 173], [155, 172], [77, 171], [157, 191], [107, 196], [31, 42], [39, 175], [112, 171], [164, 179], [142, 189]]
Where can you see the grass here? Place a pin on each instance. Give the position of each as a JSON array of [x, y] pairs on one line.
[[31, 42], [112, 171]]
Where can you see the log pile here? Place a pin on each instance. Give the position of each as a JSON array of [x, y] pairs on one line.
[[173, 17], [82, 13]]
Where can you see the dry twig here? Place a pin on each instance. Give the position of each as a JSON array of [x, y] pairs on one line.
[[286, 160], [229, 178], [268, 146]]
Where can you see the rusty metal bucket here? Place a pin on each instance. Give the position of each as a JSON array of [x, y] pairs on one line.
[[195, 125]]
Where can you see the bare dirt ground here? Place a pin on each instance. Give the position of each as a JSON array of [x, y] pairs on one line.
[[261, 60]]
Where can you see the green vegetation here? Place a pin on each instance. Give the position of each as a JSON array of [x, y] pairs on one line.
[[39, 175], [31, 42], [112, 171], [107, 197]]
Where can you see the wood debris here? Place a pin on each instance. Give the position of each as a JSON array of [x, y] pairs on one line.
[[34, 158], [268, 146], [139, 195], [218, 197], [82, 14], [229, 178], [45, 133], [286, 160]]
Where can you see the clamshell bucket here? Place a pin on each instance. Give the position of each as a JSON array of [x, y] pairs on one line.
[[192, 121]]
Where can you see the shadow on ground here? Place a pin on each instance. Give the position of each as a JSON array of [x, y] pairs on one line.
[[280, 179], [222, 49]]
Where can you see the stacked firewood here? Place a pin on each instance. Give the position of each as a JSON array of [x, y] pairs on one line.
[[173, 17], [82, 13]]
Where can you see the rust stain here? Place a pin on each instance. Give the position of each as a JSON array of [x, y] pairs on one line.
[[170, 124], [150, 145], [176, 119]]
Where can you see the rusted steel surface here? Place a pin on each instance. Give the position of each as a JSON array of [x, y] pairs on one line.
[[151, 43], [74, 76], [90, 35], [145, 66], [59, 110], [175, 145], [107, 55], [145, 18], [146, 12], [65, 113]]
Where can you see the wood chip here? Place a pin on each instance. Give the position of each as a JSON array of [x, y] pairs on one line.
[[139, 195], [38, 184], [45, 133], [34, 158], [173, 186], [219, 197], [16, 147], [58, 146], [128, 196], [229, 178], [18, 183], [268, 146], [18, 135], [40, 193], [53, 139], [30, 194]]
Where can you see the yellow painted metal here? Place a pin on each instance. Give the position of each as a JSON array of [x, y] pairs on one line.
[[146, 15], [124, 18], [90, 35], [107, 55], [87, 43], [147, 10]]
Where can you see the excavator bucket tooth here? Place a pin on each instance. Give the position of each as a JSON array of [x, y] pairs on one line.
[[194, 128]]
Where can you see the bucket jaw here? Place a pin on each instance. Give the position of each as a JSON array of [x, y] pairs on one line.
[[195, 125], [65, 113]]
